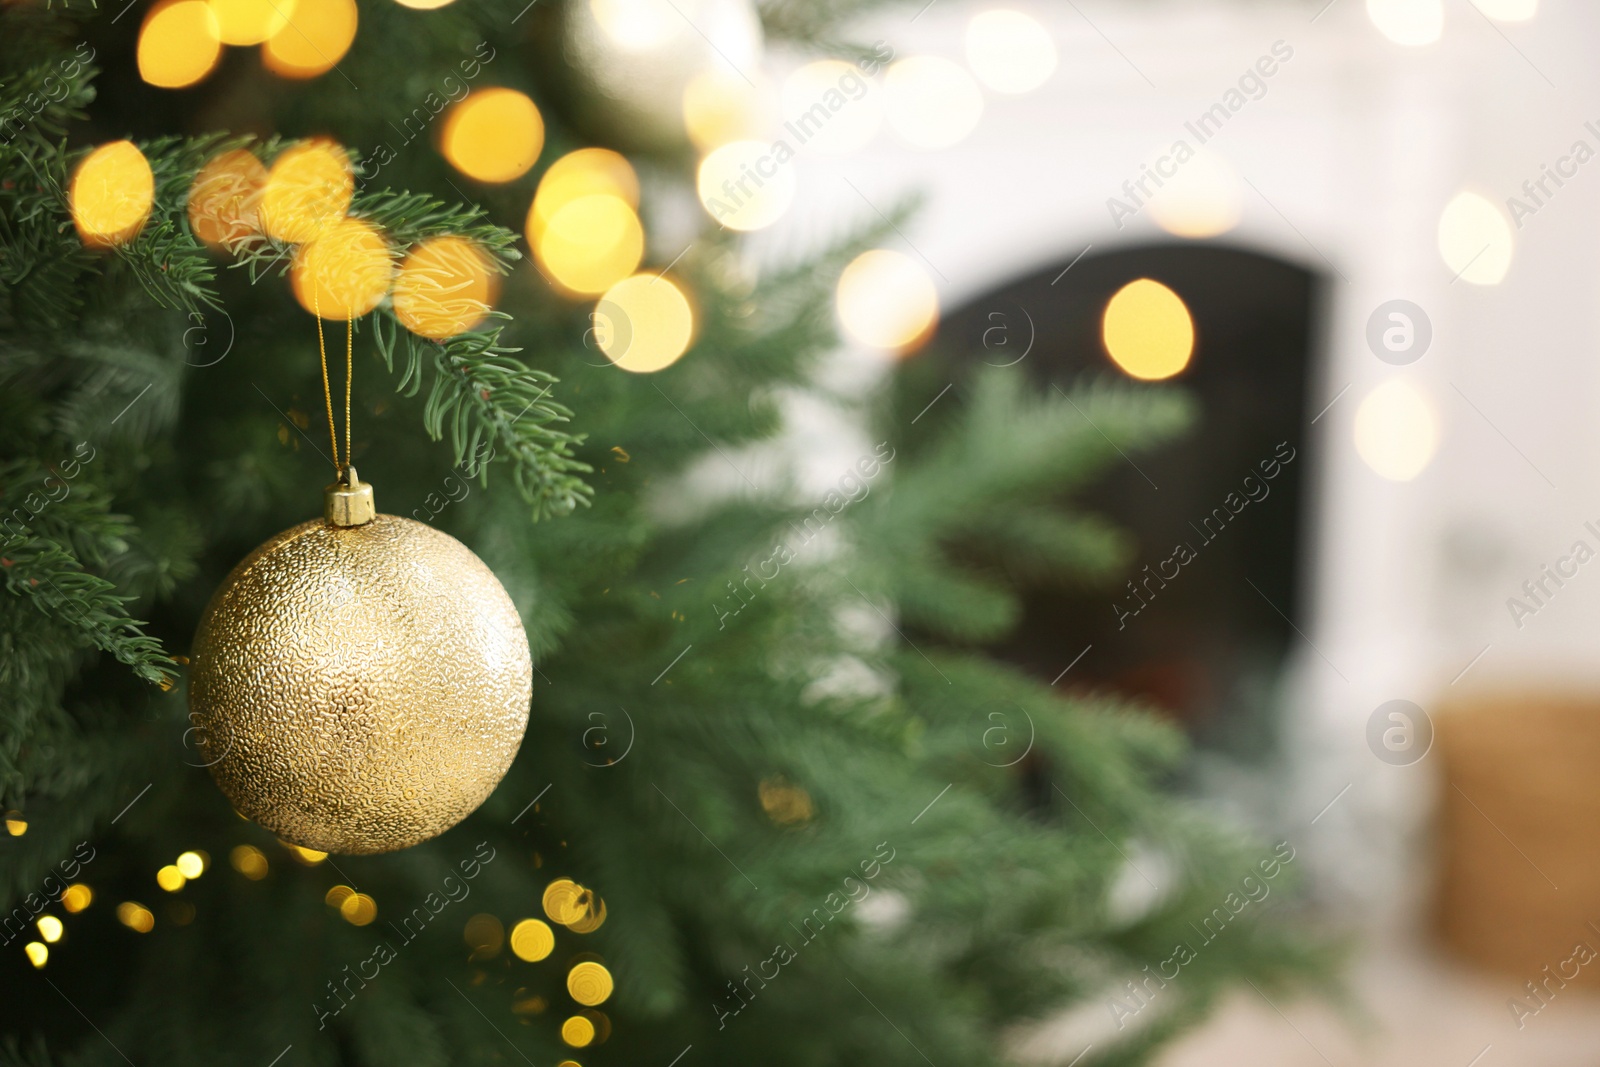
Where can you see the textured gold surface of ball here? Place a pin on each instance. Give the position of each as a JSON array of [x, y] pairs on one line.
[[360, 689]]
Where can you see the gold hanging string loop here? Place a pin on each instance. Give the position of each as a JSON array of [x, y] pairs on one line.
[[327, 389]]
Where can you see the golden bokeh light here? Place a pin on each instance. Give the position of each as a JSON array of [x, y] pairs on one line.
[[76, 897], [309, 187], [577, 1031], [337, 895], [586, 172], [1409, 22], [314, 38], [589, 983], [532, 940], [1204, 198], [719, 106], [836, 107], [1010, 52], [590, 244], [494, 135], [135, 916], [423, 5], [111, 194], [594, 917], [50, 928], [886, 300], [1396, 431], [931, 102], [179, 43], [358, 909], [1475, 239], [484, 935], [644, 323], [170, 878], [16, 825], [446, 286], [342, 274], [1147, 330], [225, 199], [785, 803], [745, 186], [193, 864], [306, 857], [562, 900], [249, 861], [241, 22], [38, 955]]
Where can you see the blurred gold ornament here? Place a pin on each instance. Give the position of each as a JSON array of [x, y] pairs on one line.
[[361, 681], [635, 59]]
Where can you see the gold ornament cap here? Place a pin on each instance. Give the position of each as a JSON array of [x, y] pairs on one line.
[[348, 501]]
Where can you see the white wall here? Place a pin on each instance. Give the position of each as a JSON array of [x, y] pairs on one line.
[[1352, 153]]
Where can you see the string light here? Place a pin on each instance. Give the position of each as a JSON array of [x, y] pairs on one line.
[[1396, 432], [76, 897], [135, 917], [308, 857], [314, 38], [337, 895], [249, 861], [1475, 239], [532, 940], [590, 244], [179, 43], [50, 928], [846, 127], [241, 22], [423, 5], [886, 300], [16, 825], [37, 953], [577, 1031], [1147, 330], [720, 106], [193, 864], [1409, 22], [586, 172], [494, 135], [358, 909], [445, 286], [111, 194], [644, 323], [484, 935], [343, 273], [309, 186], [561, 900], [589, 983], [1205, 198], [225, 199], [170, 878], [745, 186], [932, 102], [1010, 52]]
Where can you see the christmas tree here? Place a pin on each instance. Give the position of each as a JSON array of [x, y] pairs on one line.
[[773, 804]]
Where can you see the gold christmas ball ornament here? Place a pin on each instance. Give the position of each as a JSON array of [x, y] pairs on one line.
[[359, 683]]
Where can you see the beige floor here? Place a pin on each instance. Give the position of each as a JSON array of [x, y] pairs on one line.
[[1423, 1012]]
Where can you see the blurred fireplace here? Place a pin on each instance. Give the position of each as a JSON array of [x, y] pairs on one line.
[[1208, 644]]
